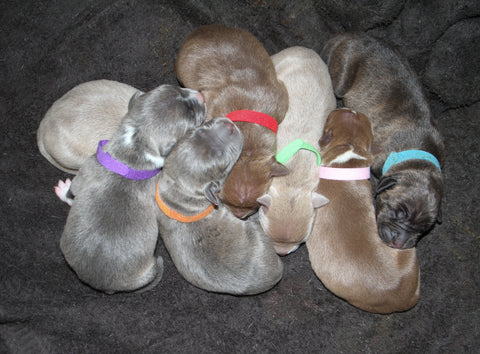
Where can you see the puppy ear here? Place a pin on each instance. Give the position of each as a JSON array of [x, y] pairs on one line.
[[278, 169], [326, 137], [265, 201], [385, 183], [210, 192], [319, 200], [133, 98]]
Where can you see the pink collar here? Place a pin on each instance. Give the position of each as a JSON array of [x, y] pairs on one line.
[[254, 117], [344, 174]]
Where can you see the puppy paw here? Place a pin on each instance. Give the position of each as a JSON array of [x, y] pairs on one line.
[[62, 189]]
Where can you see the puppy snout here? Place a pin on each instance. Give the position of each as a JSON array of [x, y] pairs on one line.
[[391, 236], [199, 97], [230, 126], [283, 250]]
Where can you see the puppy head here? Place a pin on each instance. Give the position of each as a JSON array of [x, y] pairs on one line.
[[347, 127], [294, 204], [250, 178], [156, 120], [407, 205], [205, 156]]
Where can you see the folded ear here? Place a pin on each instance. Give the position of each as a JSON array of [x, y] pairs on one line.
[[278, 169], [265, 201], [439, 217], [133, 98], [319, 200], [210, 192], [385, 183], [326, 137]]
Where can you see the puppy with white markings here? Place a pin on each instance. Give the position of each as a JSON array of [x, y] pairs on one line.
[[111, 230], [71, 129], [287, 209], [234, 72], [372, 78], [210, 247], [344, 247]]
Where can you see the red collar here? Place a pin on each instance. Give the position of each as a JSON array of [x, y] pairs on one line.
[[254, 117]]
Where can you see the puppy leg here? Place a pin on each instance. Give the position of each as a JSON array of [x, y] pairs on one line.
[[158, 273], [62, 190]]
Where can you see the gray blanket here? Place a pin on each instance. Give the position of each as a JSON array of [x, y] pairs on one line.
[[48, 47]]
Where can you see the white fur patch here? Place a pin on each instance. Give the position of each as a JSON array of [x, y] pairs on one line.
[[347, 156], [158, 161], [127, 137]]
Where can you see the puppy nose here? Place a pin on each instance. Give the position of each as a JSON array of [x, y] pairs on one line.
[[230, 125], [200, 97]]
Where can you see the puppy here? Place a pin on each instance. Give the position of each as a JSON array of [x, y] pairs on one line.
[[210, 247], [76, 122], [373, 79], [111, 230], [230, 67], [287, 209], [344, 248]]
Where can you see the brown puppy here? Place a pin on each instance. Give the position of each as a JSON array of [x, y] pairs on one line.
[[72, 127], [373, 79], [344, 248], [233, 71]]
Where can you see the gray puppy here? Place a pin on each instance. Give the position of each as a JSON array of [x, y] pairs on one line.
[[111, 231], [373, 79], [210, 247]]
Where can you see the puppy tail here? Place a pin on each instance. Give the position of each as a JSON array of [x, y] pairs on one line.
[[158, 270]]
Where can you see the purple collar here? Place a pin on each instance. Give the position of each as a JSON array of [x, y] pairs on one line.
[[107, 161]]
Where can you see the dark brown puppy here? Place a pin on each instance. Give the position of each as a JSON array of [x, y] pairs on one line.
[[344, 248], [233, 71], [374, 79]]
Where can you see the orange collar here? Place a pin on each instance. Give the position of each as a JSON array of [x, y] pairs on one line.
[[176, 215]]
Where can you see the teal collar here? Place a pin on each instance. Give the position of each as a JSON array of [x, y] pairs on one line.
[[397, 157], [291, 149]]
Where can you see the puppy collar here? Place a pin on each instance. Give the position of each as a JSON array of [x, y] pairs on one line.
[[176, 215], [397, 157], [107, 161], [254, 117], [344, 174], [291, 149]]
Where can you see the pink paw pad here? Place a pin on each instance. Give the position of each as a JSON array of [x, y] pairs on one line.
[[61, 191]]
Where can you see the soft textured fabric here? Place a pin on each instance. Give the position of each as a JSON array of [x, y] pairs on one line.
[[48, 47]]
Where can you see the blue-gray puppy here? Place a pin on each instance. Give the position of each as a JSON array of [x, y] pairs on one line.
[[211, 248], [111, 231]]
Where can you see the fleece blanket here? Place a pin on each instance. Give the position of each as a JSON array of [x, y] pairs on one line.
[[48, 47]]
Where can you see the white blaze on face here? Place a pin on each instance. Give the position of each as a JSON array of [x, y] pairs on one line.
[[347, 156]]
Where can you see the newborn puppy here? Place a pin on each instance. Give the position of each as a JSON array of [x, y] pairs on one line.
[[111, 231], [210, 247], [344, 248], [287, 210], [230, 67], [373, 79], [76, 122]]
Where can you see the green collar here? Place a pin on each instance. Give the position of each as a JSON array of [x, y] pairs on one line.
[[291, 149]]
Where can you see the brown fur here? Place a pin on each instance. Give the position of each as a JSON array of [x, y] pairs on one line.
[[344, 248], [372, 78], [233, 71], [287, 210]]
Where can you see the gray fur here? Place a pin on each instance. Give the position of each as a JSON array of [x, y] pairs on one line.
[[111, 231], [219, 253]]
